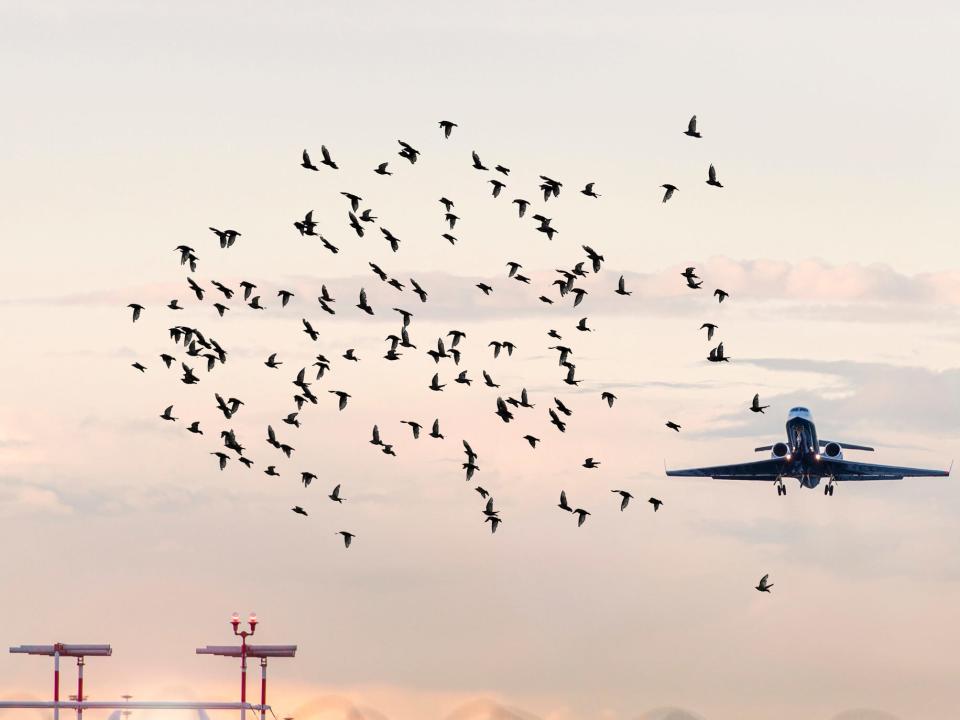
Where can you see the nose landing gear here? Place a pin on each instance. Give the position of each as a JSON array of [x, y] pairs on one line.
[[781, 488], [828, 488]]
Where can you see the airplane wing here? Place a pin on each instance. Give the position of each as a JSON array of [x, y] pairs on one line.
[[846, 446], [850, 470], [758, 470]]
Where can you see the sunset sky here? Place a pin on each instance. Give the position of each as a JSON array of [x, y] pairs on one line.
[[128, 128]]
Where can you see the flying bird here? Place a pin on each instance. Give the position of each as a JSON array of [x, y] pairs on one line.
[[588, 191], [672, 425], [327, 160], [347, 537], [137, 309], [712, 177], [581, 516], [692, 128], [709, 327], [342, 395], [335, 495], [670, 190], [721, 295], [625, 498], [656, 503], [296, 508], [621, 288], [476, 162], [447, 127], [609, 397], [306, 162], [756, 406], [763, 585]]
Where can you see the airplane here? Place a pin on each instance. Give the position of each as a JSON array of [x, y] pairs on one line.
[[808, 459]]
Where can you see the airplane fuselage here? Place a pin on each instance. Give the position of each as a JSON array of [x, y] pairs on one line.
[[803, 448]]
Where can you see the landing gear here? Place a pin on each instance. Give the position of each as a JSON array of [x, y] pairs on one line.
[[828, 488], [781, 488]]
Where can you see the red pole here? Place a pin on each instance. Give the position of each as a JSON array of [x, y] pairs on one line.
[[79, 686], [263, 688], [56, 680], [243, 675]]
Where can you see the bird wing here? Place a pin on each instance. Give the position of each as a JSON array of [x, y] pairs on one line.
[[712, 174], [692, 125], [763, 580]]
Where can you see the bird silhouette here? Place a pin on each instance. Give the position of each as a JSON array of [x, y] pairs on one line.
[[347, 537], [670, 190], [296, 508], [721, 294], [139, 366], [656, 503], [306, 162], [447, 127], [621, 288], [763, 585], [692, 128], [327, 160], [137, 309], [712, 177], [673, 426], [581, 516], [588, 190], [476, 161], [755, 406], [335, 495], [609, 397], [168, 414], [710, 328], [625, 498], [381, 169], [342, 396]]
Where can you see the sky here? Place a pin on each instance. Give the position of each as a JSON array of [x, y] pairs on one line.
[[129, 128]]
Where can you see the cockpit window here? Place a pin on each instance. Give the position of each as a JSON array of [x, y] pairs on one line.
[[799, 409]]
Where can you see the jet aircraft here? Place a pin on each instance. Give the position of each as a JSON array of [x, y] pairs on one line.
[[809, 459]]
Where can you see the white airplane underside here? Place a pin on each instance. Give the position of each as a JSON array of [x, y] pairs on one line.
[[808, 459]]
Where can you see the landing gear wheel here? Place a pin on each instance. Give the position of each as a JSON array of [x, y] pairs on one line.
[[826, 489], [831, 490]]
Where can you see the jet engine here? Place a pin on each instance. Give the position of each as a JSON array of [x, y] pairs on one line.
[[833, 450], [779, 450]]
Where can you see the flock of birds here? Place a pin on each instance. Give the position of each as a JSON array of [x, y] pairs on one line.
[[203, 347]]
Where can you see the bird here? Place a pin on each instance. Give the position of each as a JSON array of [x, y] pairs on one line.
[[483, 493], [562, 408], [382, 169], [363, 305], [327, 160], [672, 425], [349, 355], [167, 414], [354, 200], [488, 381], [451, 219], [335, 495], [494, 522], [306, 478], [563, 502], [502, 169], [306, 162], [555, 419], [226, 237], [137, 309], [173, 305], [609, 397], [582, 325], [581, 516], [168, 360], [721, 294], [710, 328], [485, 288], [347, 537], [656, 503], [712, 177], [222, 459], [308, 329], [139, 366], [763, 585], [342, 395], [447, 204], [497, 187], [195, 428], [296, 508], [447, 127], [522, 205], [532, 440], [408, 151], [271, 471], [435, 383], [692, 128], [756, 406], [284, 296], [670, 190], [188, 377], [590, 463], [502, 411], [435, 431], [625, 498], [271, 362], [415, 426], [621, 289], [588, 190], [716, 354], [476, 162]]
